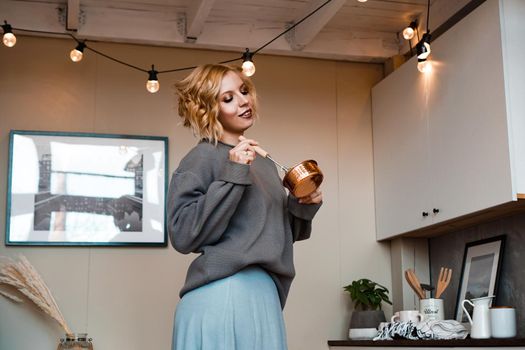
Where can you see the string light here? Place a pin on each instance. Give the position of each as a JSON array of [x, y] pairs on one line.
[[9, 38], [423, 47], [153, 82], [248, 67], [77, 53], [424, 65], [410, 31]]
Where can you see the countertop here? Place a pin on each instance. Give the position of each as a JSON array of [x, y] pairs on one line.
[[512, 342]]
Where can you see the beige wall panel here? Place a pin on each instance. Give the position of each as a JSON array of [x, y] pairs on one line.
[[360, 255], [43, 89], [298, 122], [125, 297]]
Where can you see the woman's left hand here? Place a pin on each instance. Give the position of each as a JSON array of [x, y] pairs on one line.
[[313, 198]]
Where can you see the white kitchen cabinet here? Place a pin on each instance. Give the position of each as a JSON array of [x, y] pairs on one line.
[[443, 143], [400, 153]]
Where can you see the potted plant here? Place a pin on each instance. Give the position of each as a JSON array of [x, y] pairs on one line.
[[368, 297]]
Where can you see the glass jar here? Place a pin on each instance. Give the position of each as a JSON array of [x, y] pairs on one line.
[[75, 341]]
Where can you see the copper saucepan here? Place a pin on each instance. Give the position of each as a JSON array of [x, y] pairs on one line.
[[301, 179]]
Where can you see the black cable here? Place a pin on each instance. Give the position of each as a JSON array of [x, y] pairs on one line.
[[176, 69], [232, 60], [428, 16], [292, 27], [117, 60], [193, 67], [43, 32], [79, 41]]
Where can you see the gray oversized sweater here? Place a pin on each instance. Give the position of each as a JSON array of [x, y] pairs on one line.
[[234, 215]]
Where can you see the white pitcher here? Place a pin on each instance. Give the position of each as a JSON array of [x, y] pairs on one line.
[[480, 320]]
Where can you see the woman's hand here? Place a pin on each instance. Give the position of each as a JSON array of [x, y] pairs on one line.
[[244, 152], [313, 198]]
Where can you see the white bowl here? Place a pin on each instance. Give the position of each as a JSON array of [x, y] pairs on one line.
[[362, 333]]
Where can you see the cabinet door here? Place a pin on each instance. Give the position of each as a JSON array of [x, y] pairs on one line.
[[469, 146], [400, 153]]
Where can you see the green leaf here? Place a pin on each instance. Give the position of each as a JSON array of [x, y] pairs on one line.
[[367, 294]]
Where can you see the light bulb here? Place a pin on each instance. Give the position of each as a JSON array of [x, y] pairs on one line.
[[9, 39], [410, 30], [248, 68], [408, 33], [153, 86], [78, 52], [424, 66], [153, 82], [76, 55], [362, 0]]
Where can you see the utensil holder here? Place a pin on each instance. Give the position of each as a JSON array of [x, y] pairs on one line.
[[432, 309]]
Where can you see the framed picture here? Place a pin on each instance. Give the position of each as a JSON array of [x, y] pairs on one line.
[[84, 189], [480, 271]]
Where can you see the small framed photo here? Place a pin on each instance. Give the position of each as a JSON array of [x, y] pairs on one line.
[[480, 271], [80, 189]]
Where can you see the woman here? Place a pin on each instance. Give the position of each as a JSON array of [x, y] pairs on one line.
[[229, 206]]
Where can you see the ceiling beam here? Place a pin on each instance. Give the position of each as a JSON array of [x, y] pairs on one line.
[[303, 34], [73, 15], [196, 17], [32, 15], [157, 25], [348, 46]]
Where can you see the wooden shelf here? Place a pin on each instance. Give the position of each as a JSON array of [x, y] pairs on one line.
[[512, 342]]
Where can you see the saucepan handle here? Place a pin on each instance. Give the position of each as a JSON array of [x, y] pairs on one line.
[[257, 149]]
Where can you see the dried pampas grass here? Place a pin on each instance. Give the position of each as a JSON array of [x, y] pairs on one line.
[[23, 277]]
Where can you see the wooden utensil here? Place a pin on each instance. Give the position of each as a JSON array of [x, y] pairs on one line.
[[414, 283], [417, 283], [445, 275]]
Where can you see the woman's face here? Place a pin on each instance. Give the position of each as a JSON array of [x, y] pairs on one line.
[[235, 108]]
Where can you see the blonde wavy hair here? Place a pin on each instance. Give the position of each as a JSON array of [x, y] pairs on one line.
[[199, 103]]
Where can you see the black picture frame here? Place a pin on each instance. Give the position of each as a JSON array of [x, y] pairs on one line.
[[86, 189], [474, 282]]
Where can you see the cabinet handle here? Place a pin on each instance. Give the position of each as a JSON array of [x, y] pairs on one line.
[[425, 213], [435, 210]]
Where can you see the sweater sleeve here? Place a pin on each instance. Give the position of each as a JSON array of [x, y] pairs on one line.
[[198, 214], [300, 216]]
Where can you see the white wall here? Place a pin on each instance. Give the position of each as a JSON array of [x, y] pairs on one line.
[[125, 297], [512, 13]]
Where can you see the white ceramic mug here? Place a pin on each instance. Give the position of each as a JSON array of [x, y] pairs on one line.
[[432, 309], [407, 315], [503, 322]]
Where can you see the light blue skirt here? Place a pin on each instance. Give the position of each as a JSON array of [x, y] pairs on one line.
[[240, 312]]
